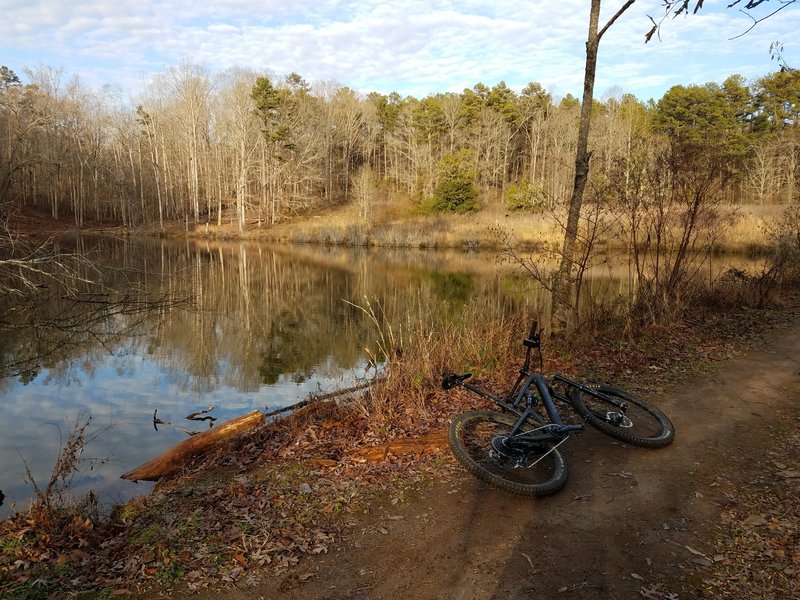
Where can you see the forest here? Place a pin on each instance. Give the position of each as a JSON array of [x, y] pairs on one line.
[[251, 150]]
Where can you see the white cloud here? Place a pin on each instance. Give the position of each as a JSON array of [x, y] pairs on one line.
[[416, 47]]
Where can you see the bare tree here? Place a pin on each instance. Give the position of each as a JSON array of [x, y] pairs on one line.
[[348, 118], [237, 128], [563, 288]]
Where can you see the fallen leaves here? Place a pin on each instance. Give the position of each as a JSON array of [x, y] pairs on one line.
[[282, 493], [757, 551]]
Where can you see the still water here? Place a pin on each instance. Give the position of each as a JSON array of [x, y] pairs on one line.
[[177, 327]]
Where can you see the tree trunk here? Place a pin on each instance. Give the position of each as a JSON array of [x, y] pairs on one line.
[[562, 288], [562, 285]]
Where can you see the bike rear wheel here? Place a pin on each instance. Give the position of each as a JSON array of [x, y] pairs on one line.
[[481, 442], [640, 424]]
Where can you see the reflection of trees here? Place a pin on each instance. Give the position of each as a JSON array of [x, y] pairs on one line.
[[263, 314], [54, 327], [55, 321], [258, 315]]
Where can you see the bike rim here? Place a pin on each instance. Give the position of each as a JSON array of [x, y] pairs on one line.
[[634, 419], [489, 445]]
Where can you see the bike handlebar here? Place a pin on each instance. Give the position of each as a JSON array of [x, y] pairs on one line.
[[452, 380]]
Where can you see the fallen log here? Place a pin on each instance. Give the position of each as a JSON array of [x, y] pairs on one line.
[[425, 444], [174, 458]]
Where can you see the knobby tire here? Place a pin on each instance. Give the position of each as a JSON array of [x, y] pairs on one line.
[[471, 434], [650, 428]]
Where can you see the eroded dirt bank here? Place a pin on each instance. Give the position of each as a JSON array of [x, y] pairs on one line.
[[631, 523]]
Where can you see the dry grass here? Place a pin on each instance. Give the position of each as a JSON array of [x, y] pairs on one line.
[[532, 231], [398, 224], [478, 230], [749, 233], [481, 338]]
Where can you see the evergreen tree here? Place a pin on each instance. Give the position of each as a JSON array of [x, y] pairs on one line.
[[456, 192]]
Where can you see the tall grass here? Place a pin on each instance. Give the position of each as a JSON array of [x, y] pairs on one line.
[[751, 231], [780, 267], [404, 227], [414, 231], [429, 341]]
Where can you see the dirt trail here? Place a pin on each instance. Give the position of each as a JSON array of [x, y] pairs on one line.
[[629, 518]]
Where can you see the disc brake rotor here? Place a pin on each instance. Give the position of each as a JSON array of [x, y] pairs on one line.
[[618, 419]]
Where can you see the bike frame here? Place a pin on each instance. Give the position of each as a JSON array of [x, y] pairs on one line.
[[555, 428], [553, 431]]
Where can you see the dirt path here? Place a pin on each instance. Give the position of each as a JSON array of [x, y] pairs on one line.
[[629, 519]]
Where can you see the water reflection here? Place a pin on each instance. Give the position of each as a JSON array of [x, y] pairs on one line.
[[264, 326]]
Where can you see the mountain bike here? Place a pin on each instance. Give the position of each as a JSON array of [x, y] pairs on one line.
[[517, 448]]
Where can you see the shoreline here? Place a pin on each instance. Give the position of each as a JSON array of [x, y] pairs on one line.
[[419, 233]]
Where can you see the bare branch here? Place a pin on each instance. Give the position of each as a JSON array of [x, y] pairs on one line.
[[616, 16], [764, 18], [675, 8]]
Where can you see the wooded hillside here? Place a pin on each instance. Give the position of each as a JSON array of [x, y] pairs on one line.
[[240, 147]]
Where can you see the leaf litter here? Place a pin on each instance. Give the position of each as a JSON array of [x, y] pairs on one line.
[[757, 541]]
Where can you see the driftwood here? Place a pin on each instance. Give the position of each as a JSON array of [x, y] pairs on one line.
[[312, 399], [174, 458], [200, 443], [157, 422], [425, 444]]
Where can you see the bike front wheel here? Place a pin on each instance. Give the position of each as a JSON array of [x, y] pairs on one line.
[[638, 423], [481, 441]]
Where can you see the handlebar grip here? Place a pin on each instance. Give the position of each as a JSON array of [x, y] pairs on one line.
[[451, 380], [534, 327]]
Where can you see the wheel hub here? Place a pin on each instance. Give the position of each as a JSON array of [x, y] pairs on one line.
[[504, 448], [618, 419]]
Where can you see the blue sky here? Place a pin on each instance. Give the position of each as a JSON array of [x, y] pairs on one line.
[[415, 47]]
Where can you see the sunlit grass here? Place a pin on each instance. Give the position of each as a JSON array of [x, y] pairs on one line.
[[410, 230], [429, 341], [749, 232], [400, 225]]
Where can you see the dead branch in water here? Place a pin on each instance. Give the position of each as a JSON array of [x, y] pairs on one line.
[[312, 399], [174, 458]]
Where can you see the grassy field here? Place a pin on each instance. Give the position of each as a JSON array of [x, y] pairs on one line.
[[489, 228]]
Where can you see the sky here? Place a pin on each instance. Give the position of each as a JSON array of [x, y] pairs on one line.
[[413, 47]]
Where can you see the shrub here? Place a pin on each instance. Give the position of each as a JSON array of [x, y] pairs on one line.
[[526, 195], [455, 191]]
